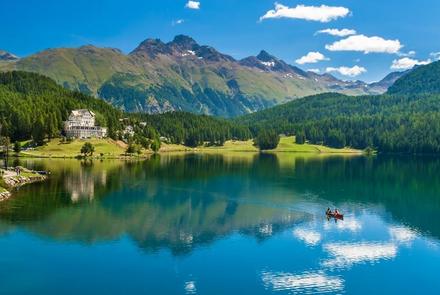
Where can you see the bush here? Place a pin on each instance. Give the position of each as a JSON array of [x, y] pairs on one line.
[[267, 140], [133, 149], [87, 149]]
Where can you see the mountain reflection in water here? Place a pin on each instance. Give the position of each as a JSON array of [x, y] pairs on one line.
[[188, 204]]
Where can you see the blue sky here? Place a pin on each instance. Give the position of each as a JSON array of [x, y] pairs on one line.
[[234, 27]]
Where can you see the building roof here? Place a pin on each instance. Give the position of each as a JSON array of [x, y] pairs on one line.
[[82, 112]]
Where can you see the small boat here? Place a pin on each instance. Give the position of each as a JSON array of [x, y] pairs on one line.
[[336, 216]]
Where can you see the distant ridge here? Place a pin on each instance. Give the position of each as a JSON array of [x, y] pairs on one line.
[[6, 56], [183, 75]]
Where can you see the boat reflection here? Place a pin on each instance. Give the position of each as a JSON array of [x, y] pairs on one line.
[[179, 202]]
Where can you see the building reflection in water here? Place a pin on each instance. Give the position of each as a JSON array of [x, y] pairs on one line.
[[81, 185], [181, 203]]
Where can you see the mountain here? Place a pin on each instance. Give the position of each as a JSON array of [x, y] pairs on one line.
[[269, 63], [6, 56], [35, 106], [85, 68], [405, 120], [383, 85], [182, 75], [422, 79]]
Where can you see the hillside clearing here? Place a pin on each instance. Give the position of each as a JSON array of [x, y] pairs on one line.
[[57, 149]]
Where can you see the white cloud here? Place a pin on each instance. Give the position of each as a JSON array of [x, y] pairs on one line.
[[349, 224], [346, 71], [411, 53], [190, 287], [311, 58], [316, 71], [193, 5], [435, 55], [408, 63], [402, 234], [321, 13], [345, 255], [366, 44], [178, 22], [337, 32], [310, 237], [308, 282], [406, 54]]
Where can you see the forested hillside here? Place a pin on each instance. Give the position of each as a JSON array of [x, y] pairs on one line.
[[390, 123], [34, 106], [194, 130], [422, 79]]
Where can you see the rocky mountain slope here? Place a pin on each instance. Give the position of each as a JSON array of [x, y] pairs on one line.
[[183, 75], [6, 56]]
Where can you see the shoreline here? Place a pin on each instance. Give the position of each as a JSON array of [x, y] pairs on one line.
[[146, 155], [10, 181], [110, 149]]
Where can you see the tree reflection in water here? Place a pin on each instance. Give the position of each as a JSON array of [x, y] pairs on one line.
[[180, 202]]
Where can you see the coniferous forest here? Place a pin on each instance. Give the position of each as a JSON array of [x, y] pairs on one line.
[[34, 107], [404, 120], [389, 123]]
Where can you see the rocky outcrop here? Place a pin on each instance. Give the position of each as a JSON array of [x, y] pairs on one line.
[[4, 195], [11, 180]]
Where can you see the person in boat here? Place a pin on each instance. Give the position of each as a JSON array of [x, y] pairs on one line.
[[328, 211], [337, 212]]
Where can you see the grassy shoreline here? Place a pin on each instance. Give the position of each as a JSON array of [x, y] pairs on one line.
[[110, 149]]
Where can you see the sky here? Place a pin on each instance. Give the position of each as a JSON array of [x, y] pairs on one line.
[[352, 39]]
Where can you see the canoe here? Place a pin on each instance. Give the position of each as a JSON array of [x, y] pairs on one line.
[[337, 216]]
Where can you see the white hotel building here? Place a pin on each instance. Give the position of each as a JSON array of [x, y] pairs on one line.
[[81, 124]]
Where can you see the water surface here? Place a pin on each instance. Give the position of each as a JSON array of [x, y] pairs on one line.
[[212, 224]]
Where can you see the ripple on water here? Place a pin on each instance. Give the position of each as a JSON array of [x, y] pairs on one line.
[[304, 283], [348, 254]]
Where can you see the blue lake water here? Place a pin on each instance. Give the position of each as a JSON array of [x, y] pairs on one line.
[[233, 224]]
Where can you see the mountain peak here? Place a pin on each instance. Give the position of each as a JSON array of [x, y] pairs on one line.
[[183, 45], [6, 56], [267, 62], [184, 40], [265, 56], [151, 47]]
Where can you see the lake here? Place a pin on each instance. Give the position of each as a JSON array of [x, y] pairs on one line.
[[225, 224]]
